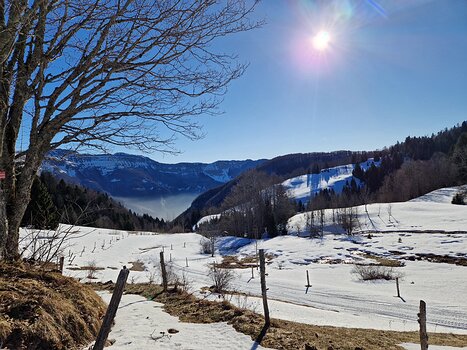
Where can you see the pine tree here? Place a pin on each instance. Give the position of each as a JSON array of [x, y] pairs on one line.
[[41, 212]]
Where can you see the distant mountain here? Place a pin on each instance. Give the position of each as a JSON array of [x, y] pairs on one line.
[[125, 175]]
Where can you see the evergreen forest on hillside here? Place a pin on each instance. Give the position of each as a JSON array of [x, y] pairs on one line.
[[54, 202], [408, 169]]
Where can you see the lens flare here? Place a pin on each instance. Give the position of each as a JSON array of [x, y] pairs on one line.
[[321, 40]]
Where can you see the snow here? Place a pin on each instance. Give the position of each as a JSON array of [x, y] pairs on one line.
[[410, 346], [412, 216], [150, 325], [443, 195], [337, 297], [301, 187], [208, 218]]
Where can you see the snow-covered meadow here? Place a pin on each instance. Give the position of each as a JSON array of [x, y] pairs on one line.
[[337, 297]]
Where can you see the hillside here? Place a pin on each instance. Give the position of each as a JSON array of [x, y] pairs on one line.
[[126, 175], [282, 167], [53, 202], [335, 179], [403, 171]]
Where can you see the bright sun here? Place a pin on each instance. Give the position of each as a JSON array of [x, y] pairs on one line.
[[321, 40]]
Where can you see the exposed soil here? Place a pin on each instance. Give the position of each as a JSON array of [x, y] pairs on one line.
[[447, 259]]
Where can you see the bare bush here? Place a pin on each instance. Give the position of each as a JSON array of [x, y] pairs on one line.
[[91, 269], [375, 272], [222, 278], [46, 246], [183, 283], [348, 219], [152, 276]]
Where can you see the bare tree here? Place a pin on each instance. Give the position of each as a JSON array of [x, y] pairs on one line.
[[348, 219], [130, 73]]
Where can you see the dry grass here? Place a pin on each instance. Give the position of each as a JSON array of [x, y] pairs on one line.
[[375, 272], [283, 334], [384, 261], [88, 267], [137, 266], [233, 261], [45, 310]]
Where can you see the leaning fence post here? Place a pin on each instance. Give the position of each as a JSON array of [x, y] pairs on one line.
[[164, 272], [111, 309], [397, 286], [262, 269], [422, 322]]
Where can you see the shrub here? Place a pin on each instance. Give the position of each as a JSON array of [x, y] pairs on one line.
[[375, 272], [458, 199], [222, 278], [92, 269]]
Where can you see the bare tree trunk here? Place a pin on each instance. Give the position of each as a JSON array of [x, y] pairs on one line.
[[16, 195], [3, 223]]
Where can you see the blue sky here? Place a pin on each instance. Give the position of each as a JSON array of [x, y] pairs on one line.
[[392, 69]]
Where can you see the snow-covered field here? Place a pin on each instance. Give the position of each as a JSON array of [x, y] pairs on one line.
[[337, 297]]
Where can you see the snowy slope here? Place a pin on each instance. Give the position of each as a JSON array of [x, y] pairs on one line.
[[442, 195], [301, 187], [433, 211], [337, 297]]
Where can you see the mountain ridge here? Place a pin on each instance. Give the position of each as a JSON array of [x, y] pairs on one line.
[[128, 175]]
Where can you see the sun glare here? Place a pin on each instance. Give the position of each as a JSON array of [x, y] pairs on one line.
[[321, 40]]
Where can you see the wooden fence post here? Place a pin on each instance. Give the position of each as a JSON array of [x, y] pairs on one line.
[[111, 309], [186, 259], [262, 269], [163, 271], [397, 286], [308, 285], [62, 260], [422, 322]]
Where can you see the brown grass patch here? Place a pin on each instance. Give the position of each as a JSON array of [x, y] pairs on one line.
[[282, 334], [86, 268], [137, 266], [384, 261], [45, 310], [246, 262]]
